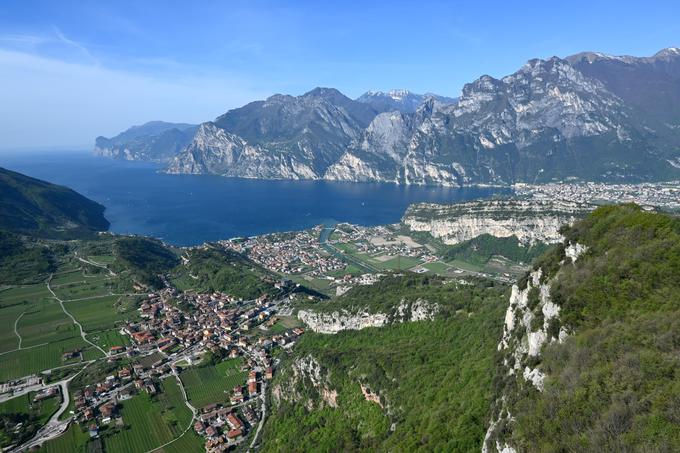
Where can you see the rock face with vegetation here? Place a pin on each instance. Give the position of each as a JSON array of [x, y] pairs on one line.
[[35, 207], [589, 352], [405, 386], [530, 221], [588, 117]]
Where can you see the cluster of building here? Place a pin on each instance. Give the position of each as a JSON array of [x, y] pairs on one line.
[[97, 404], [174, 330], [664, 195], [288, 253]]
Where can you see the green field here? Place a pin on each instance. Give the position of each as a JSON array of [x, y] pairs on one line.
[[14, 302], [29, 361], [102, 259], [107, 338], [151, 422], [24, 405], [213, 384], [102, 313], [437, 267], [45, 322], [92, 286], [72, 441]]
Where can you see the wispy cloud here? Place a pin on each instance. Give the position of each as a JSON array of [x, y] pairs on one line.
[[78, 46]]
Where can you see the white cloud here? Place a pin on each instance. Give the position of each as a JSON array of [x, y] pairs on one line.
[[50, 102]]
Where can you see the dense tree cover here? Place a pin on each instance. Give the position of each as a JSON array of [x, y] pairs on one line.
[[32, 206], [385, 295], [614, 385], [480, 249], [145, 258], [24, 261], [212, 269], [434, 378]]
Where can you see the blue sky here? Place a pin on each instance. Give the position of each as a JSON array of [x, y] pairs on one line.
[[72, 70]]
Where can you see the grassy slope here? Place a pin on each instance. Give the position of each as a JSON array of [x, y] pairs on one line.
[[615, 384], [434, 376]]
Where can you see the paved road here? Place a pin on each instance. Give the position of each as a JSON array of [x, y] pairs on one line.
[[54, 427], [61, 303]]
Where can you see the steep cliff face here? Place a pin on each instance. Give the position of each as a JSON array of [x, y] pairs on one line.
[[337, 321], [215, 151], [530, 220], [585, 354], [589, 117]]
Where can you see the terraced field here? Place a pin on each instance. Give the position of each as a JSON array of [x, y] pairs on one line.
[[211, 384]]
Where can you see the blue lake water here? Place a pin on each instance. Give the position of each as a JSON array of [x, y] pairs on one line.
[[189, 210]]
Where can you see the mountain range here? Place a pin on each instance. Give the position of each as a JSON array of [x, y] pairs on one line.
[[589, 116]]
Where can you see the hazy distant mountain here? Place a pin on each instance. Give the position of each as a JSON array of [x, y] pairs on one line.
[[590, 116], [399, 100], [35, 207], [153, 141]]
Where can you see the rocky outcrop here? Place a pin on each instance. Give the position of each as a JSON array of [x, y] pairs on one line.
[[532, 321], [338, 321], [304, 374], [215, 151], [530, 220]]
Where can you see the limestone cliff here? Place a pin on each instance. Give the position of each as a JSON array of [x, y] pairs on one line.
[[530, 220]]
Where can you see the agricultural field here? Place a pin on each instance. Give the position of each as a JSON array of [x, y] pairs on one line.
[[151, 422], [24, 404], [45, 322], [74, 440], [29, 361], [14, 302], [105, 339], [102, 259], [102, 313], [213, 384], [97, 285]]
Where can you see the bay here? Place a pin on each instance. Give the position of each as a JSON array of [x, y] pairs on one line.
[[191, 209]]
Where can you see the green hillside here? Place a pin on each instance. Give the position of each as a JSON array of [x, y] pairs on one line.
[[35, 207], [433, 378], [482, 248], [614, 384]]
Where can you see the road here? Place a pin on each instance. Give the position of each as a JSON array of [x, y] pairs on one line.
[[61, 304], [54, 427], [264, 415], [92, 263]]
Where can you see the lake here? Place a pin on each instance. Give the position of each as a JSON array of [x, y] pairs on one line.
[[189, 209]]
